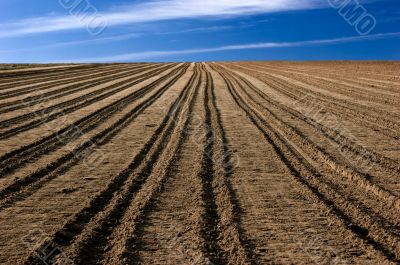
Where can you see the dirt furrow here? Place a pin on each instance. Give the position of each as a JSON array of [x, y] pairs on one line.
[[333, 134], [64, 88], [61, 110], [283, 219], [347, 161], [91, 244], [366, 110], [365, 195], [366, 226], [14, 91], [211, 218], [345, 113], [57, 127], [32, 152], [47, 113], [374, 138], [4, 75], [171, 229], [347, 76], [358, 93], [18, 81], [223, 165], [91, 182], [178, 227], [200, 163], [25, 186], [16, 85], [352, 70], [123, 244]]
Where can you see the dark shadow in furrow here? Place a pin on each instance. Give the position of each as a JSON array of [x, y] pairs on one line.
[[91, 252], [16, 82], [375, 123], [346, 220], [43, 71], [342, 110], [50, 113], [319, 94], [32, 152], [23, 188], [324, 72], [132, 242], [372, 156], [210, 231], [390, 163], [54, 112], [343, 89], [65, 79], [350, 108], [228, 172], [27, 88], [91, 80], [96, 244], [60, 78], [377, 83], [169, 172], [363, 207]]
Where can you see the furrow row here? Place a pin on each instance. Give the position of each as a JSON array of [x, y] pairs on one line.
[[43, 93], [299, 92], [358, 221], [88, 244], [62, 109], [21, 188]]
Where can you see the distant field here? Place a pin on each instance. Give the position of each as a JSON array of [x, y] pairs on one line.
[[200, 163], [25, 66]]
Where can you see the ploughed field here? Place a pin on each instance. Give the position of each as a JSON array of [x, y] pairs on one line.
[[200, 163]]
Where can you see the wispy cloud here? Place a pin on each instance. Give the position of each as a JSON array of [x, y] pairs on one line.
[[201, 29], [265, 45], [158, 10], [208, 29], [76, 43]]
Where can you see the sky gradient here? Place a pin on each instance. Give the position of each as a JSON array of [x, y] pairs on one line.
[[187, 30]]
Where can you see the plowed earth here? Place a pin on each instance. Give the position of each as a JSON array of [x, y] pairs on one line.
[[200, 163]]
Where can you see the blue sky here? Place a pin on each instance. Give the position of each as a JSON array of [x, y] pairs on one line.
[[193, 30]]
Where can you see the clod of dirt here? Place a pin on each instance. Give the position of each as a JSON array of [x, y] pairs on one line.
[[69, 190]]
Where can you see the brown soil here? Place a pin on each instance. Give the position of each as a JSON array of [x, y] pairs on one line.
[[200, 163]]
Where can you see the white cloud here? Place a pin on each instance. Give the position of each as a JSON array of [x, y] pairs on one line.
[[265, 45], [202, 29], [158, 10], [75, 43]]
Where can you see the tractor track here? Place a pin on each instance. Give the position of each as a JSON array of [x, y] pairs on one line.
[[115, 200], [28, 72], [356, 92], [388, 167], [55, 111], [360, 223], [377, 123], [17, 88], [16, 158], [32, 182], [200, 163], [65, 90]]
